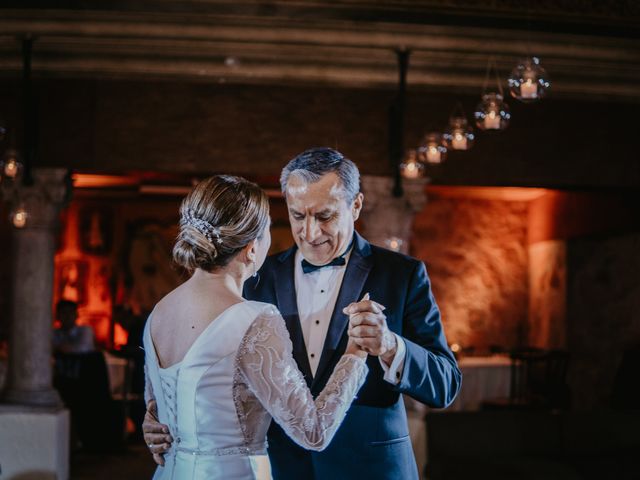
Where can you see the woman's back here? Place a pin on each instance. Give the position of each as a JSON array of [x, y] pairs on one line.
[[185, 313], [197, 396]]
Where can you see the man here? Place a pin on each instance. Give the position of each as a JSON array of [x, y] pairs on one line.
[[316, 285], [71, 337]]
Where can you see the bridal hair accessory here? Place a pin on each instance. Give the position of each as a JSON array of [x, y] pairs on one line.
[[205, 228]]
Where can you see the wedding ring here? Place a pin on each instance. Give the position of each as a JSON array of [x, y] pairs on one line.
[[150, 445]]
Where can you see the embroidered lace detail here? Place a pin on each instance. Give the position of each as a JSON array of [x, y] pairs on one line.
[[266, 374], [259, 449]]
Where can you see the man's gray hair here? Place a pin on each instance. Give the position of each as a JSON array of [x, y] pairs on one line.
[[312, 164]]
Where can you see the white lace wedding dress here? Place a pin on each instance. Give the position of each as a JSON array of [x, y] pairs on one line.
[[239, 373]]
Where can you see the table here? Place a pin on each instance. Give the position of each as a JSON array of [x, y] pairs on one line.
[[117, 367], [482, 378]]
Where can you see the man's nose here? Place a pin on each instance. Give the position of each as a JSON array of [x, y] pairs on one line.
[[311, 229]]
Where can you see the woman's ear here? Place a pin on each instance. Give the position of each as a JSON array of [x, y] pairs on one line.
[[250, 251]]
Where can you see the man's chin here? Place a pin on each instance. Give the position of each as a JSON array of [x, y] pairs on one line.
[[316, 259]]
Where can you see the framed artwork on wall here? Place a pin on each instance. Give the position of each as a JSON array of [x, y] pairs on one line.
[[96, 230], [72, 277]]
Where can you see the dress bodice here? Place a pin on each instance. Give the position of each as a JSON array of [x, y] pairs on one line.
[[239, 373]]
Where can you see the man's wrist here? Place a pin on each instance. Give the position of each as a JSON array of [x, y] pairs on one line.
[[390, 354]]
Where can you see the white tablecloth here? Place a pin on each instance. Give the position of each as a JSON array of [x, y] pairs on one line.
[[116, 367], [482, 378]]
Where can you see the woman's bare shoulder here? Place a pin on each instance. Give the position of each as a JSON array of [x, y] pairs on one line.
[[168, 304]]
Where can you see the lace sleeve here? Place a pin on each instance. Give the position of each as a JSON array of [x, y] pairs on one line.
[[266, 361]]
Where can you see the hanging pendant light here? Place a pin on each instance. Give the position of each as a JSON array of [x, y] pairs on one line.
[[433, 150], [19, 216], [492, 113], [15, 174], [528, 81], [459, 134], [394, 243], [10, 166], [411, 167]]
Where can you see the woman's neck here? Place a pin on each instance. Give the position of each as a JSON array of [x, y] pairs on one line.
[[223, 279]]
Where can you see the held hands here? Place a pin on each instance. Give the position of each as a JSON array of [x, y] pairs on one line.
[[156, 435], [368, 329]]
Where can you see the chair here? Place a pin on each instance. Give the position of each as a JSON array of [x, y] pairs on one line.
[[83, 382], [131, 393], [538, 381], [625, 393]]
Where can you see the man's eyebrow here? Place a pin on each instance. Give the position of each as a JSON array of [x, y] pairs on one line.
[[326, 211]]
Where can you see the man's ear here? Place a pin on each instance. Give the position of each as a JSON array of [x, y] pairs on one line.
[[357, 206]]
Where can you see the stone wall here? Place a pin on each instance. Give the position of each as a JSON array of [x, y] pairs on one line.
[[547, 294], [476, 255]]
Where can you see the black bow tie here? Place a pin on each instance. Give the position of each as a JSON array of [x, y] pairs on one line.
[[309, 267]]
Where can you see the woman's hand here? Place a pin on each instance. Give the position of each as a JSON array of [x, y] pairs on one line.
[[354, 349]]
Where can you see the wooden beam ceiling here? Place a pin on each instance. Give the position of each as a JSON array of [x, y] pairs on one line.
[[338, 44]]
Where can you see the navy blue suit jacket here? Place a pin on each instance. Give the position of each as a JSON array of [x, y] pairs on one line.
[[373, 441]]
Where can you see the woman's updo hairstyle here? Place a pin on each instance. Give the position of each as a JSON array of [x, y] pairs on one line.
[[220, 216]]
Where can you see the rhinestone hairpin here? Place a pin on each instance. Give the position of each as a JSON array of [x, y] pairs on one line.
[[205, 228]]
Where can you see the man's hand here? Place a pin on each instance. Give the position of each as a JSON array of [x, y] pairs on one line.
[[368, 328], [156, 435]]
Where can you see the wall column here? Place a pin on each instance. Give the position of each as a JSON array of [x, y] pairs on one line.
[[29, 378], [385, 216]]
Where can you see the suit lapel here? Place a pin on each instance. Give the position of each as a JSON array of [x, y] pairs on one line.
[[356, 274], [284, 281]]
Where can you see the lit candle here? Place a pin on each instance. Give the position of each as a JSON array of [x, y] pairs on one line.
[[394, 243], [411, 170], [492, 121], [459, 141], [20, 218], [11, 168], [529, 89], [433, 154]]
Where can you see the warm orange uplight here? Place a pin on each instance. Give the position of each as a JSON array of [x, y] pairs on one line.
[[86, 180], [120, 336], [78, 278]]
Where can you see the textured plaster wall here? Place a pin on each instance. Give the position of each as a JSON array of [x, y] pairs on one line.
[[476, 255], [547, 294]]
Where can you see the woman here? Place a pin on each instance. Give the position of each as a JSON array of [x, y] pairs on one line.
[[220, 367]]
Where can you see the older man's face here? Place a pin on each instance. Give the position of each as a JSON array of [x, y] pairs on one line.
[[321, 219]]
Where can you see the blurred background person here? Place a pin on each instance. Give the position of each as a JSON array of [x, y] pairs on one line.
[[70, 337]]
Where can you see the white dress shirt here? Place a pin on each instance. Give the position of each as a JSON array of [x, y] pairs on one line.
[[316, 295]]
